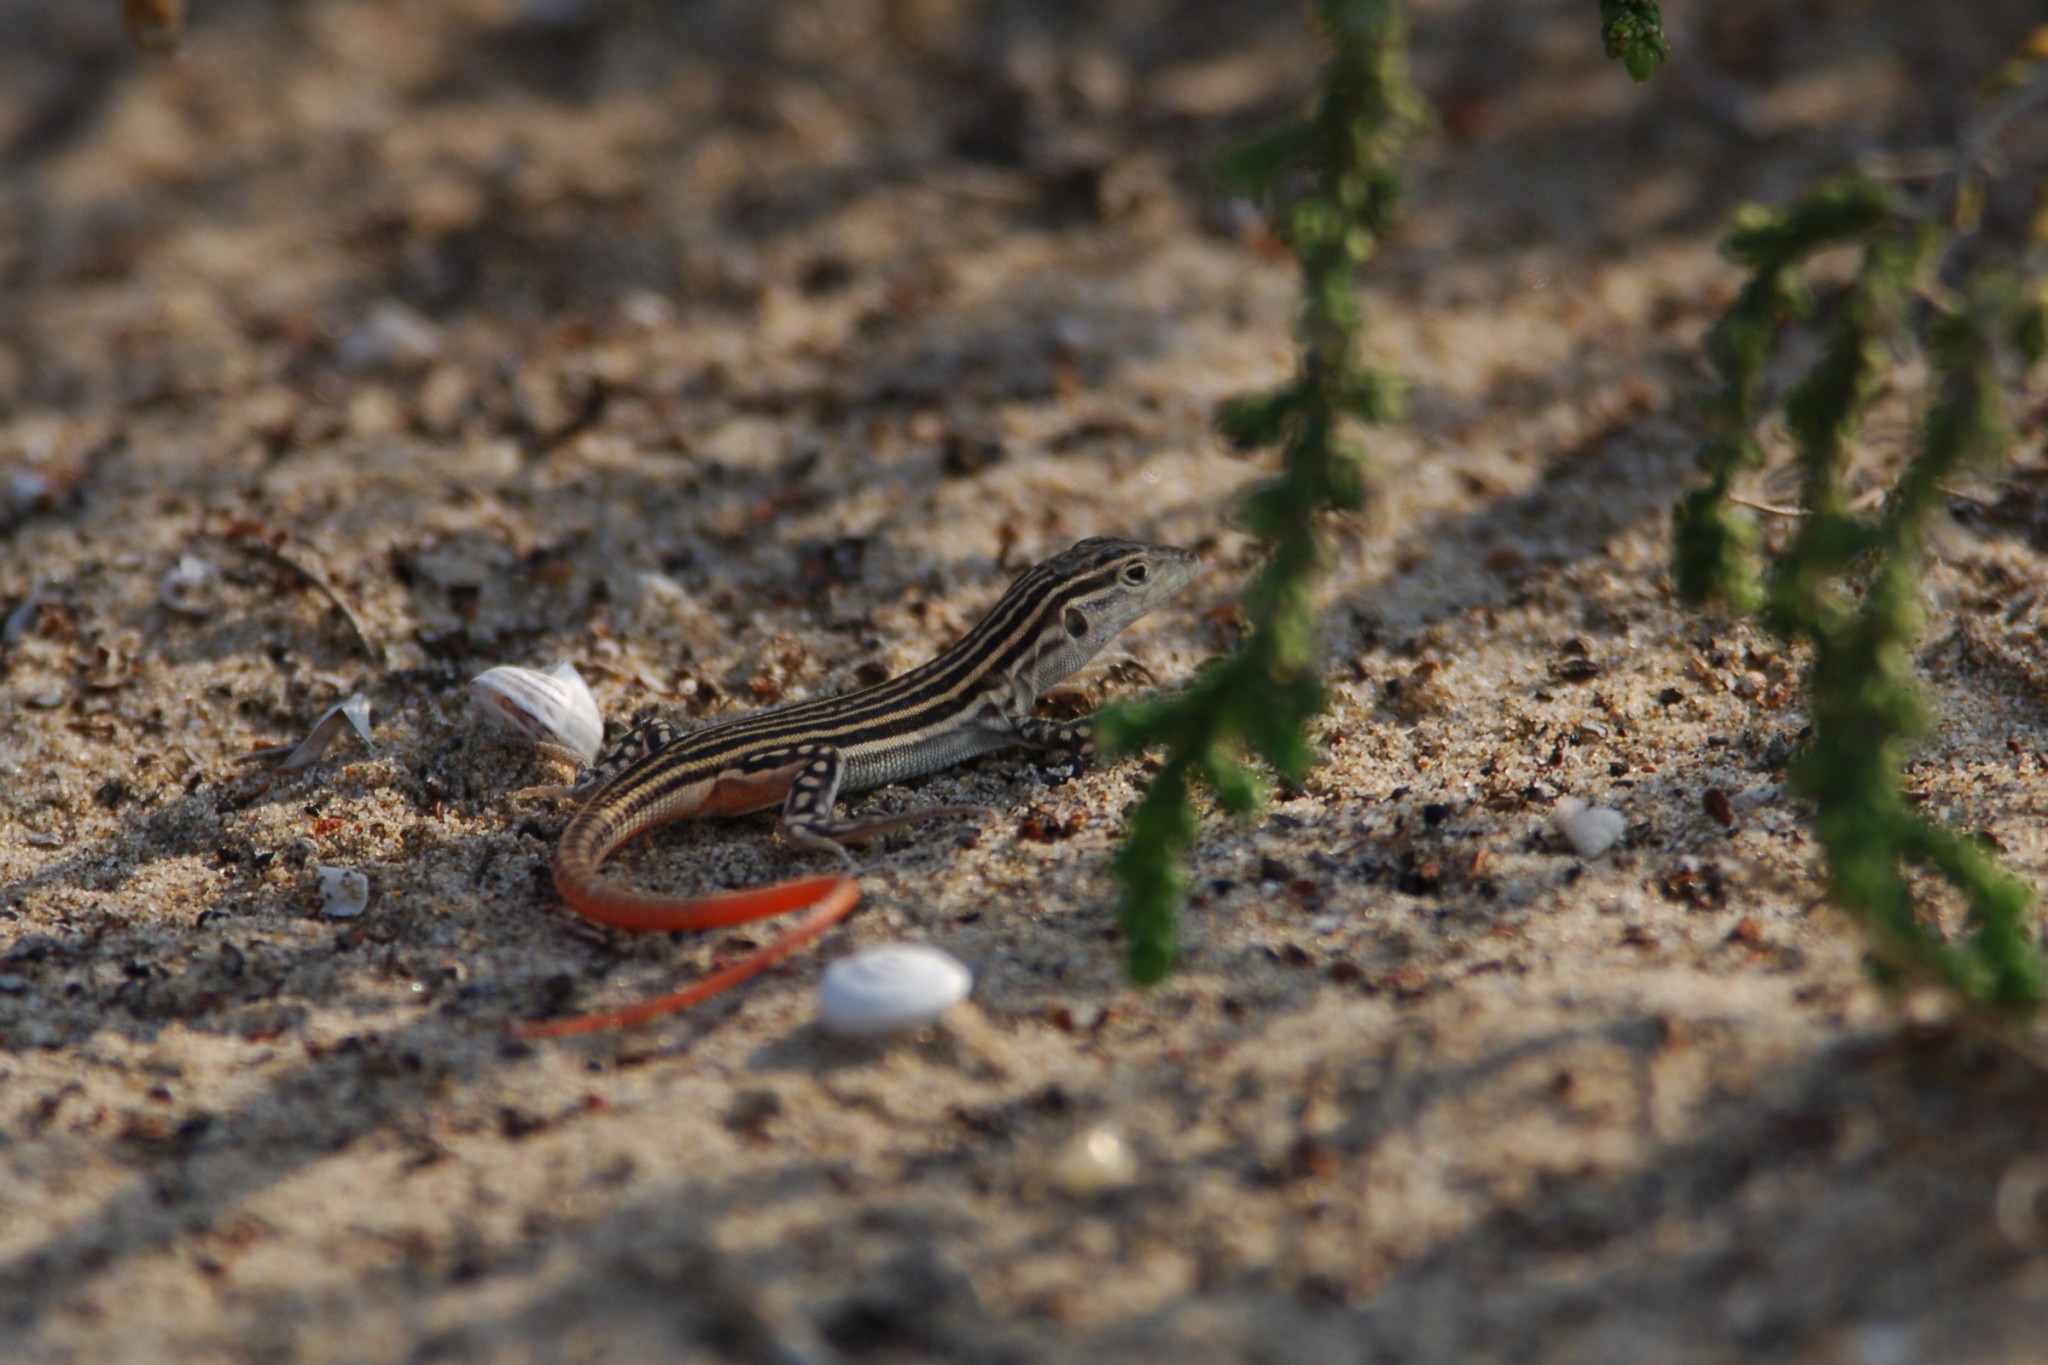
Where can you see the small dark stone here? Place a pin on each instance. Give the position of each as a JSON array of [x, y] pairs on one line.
[[962, 453], [750, 1113], [826, 275], [514, 1124], [34, 948], [1053, 1099], [822, 563]]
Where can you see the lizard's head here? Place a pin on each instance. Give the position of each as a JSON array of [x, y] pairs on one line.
[[1080, 599]]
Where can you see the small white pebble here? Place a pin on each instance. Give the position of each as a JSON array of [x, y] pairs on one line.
[[1590, 830], [1883, 1343], [188, 588], [659, 587], [1093, 1161], [27, 487], [23, 618], [392, 337], [344, 892], [645, 308], [2020, 1207], [890, 989]]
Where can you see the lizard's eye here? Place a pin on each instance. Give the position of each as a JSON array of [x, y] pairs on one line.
[[1076, 623], [1136, 574]]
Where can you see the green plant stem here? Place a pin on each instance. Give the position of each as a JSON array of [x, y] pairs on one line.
[[1862, 695], [1329, 186], [1633, 31]]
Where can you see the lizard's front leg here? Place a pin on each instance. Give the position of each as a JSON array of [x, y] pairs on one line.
[[807, 812], [1070, 742]]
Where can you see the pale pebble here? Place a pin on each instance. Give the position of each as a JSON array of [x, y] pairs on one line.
[[1590, 830], [892, 988], [344, 892], [1092, 1162]]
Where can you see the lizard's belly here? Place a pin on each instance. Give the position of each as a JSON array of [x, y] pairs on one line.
[[878, 765]]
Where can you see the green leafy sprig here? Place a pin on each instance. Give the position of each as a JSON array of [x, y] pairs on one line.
[[1328, 183], [1633, 31], [1848, 582]]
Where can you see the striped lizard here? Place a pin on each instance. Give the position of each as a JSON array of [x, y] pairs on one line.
[[973, 698]]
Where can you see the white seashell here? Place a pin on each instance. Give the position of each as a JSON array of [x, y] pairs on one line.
[[188, 588], [553, 710], [1754, 797], [890, 989], [26, 489], [353, 714], [344, 892], [1093, 1161], [1590, 830], [2020, 1207], [24, 614], [393, 337], [659, 587]]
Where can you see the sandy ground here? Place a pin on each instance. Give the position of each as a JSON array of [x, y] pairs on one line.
[[741, 352]]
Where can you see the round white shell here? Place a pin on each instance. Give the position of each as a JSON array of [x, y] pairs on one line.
[[890, 989], [554, 710], [1093, 1161], [1590, 830], [344, 892]]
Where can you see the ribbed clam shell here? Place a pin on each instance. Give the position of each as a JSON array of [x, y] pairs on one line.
[[890, 989], [554, 709]]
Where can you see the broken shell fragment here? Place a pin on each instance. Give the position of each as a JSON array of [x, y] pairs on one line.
[[188, 588], [890, 989], [344, 892], [393, 337], [353, 714], [1590, 830], [23, 617], [553, 710], [2020, 1207], [1092, 1162]]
